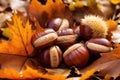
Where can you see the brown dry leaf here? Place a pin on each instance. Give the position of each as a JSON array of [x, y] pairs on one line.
[[17, 67], [108, 63], [110, 68], [20, 43], [44, 13]]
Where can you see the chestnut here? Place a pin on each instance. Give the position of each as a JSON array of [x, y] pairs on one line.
[[85, 32], [98, 45], [50, 57], [58, 24], [93, 26], [66, 38], [45, 38], [76, 55]]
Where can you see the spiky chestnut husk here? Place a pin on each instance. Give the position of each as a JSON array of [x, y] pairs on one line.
[[97, 27]]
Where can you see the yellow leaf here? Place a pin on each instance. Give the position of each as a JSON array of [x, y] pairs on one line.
[[72, 6], [91, 3], [79, 4], [115, 1], [20, 41], [112, 25], [7, 33]]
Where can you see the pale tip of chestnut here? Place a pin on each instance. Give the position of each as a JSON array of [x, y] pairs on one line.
[[58, 24], [44, 38], [55, 23], [66, 38], [55, 55], [68, 51], [98, 47], [64, 25], [50, 56]]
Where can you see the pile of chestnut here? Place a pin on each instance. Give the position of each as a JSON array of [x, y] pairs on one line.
[[59, 43]]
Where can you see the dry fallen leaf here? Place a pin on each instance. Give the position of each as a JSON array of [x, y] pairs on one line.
[[17, 67], [20, 43], [103, 64], [110, 68], [22, 68], [15, 51]]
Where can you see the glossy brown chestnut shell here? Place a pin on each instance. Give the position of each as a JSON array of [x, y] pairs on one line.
[[85, 32], [45, 38], [58, 24], [76, 55], [66, 38], [98, 45], [51, 57]]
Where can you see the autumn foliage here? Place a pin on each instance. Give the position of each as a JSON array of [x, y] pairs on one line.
[[20, 41], [20, 53]]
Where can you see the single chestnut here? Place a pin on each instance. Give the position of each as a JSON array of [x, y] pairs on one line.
[[58, 24], [50, 57], [45, 38], [98, 45], [66, 38], [93, 26], [76, 55], [85, 32]]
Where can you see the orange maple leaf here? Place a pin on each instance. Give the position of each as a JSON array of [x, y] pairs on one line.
[[20, 42]]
